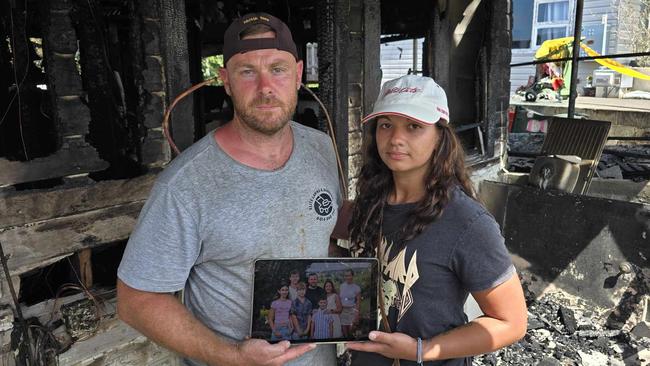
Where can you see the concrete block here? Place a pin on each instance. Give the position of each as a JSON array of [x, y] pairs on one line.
[[355, 95], [354, 165], [74, 116], [153, 74], [354, 119], [63, 73], [65, 39], [154, 110], [354, 142], [155, 151], [352, 188]]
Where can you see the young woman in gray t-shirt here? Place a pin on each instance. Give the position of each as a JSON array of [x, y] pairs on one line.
[[416, 210]]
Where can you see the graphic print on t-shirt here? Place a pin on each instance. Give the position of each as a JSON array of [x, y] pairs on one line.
[[398, 273], [322, 203]]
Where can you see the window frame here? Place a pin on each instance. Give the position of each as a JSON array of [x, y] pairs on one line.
[[536, 26], [553, 24]]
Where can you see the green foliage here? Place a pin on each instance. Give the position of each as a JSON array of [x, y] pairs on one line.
[[210, 68]]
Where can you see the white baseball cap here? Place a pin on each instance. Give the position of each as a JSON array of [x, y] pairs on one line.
[[415, 97]]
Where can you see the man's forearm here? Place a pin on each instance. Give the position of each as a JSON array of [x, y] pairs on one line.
[[163, 319]]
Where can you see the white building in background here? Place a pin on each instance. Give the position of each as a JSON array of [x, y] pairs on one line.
[[603, 24], [398, 57]]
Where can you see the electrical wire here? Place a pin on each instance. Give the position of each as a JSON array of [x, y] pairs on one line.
[[330, 127], [18, 84], [168, 112]]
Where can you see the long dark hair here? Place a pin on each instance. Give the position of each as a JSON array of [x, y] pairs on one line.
[[446, 170], [331, 283]]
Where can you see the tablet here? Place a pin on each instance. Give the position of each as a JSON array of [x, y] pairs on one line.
[[322, 300]]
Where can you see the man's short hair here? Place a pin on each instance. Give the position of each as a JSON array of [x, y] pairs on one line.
[[301, 286], [233, 42], [293, 272], [350, 271], [312, 274]]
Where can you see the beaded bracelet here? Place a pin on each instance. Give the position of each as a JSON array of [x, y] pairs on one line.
[[419, 352]]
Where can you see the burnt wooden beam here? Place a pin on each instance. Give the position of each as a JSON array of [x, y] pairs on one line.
[[195, 48], [70, 113], [333, 36], [364, 75], [498, 67], [174, 51], [67, 161], [437, 46], [6, 78], [136, 96], [371, 56], [24, 140], [30, 245], [154, 150], [24, 207], [109, 129]]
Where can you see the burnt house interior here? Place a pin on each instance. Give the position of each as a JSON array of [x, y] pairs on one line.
[[84, 86]]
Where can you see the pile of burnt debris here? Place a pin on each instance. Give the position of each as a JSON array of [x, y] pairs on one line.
[[622, 161], [565, 330]]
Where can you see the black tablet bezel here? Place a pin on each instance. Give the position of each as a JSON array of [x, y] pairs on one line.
[[266, 269]]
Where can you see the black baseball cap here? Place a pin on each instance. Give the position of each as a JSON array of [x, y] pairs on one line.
[[233, 44]]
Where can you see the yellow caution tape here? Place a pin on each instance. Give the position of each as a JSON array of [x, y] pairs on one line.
[[616, 66], [553, 49]]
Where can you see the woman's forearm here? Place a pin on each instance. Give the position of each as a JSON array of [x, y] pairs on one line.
[[482, 335]]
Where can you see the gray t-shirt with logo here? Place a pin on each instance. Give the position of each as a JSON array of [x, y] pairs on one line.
[[209, 217]]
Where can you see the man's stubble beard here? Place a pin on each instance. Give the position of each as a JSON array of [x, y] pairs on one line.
[[264, 122]]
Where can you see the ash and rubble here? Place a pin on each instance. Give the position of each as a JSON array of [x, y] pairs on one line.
[[623, 161], [566, 330]]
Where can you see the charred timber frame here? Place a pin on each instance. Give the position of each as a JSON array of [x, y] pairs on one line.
[[175, 54], [74, 154], [364, 75], [333, 37], [483, 63]]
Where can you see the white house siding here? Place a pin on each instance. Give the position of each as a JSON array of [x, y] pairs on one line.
[[617, 39], [519, 75], [396, 58]]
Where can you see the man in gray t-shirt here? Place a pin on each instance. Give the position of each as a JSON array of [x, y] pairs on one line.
[[258, 187]]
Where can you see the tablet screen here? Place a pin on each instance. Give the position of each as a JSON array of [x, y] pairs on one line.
[[314, 300]]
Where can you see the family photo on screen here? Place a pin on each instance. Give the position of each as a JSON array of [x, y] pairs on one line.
[[304, 300]]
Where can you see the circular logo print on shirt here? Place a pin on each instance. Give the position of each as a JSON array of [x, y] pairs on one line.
[[321, 202]]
